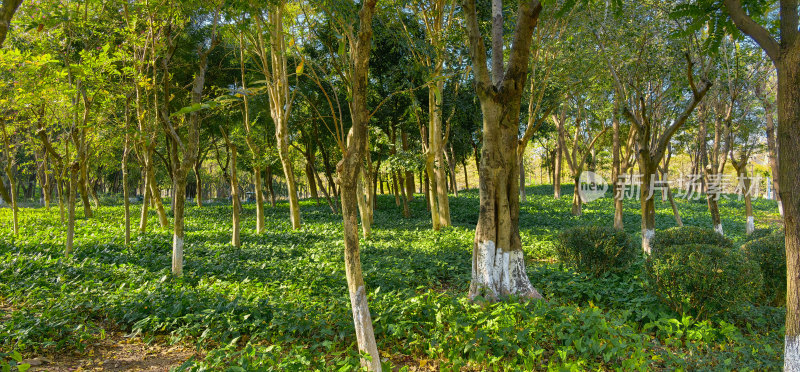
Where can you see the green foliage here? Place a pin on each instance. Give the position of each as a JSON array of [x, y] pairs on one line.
[[689, 235], [280, 301], [596, 249], [769, 252], [12, 361], [702, 279]]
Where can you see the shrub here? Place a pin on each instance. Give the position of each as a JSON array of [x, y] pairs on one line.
[[596, 249], [703, 279], [761, 233], [769, 252], [689, 235]]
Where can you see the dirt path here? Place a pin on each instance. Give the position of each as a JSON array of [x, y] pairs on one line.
[[116, 353]]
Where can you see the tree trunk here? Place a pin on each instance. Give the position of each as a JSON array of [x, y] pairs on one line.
[[557, 171], [648, 206], [145, 205], [409, 176], [522, 195], [741, 171], [788, 170], [577, 202], [46, 187], [179, 199], [12, 183], [198, 166], [498, 266], [237, 204], [270, 187], [126, 193], [83, 182], [363, 208], [616, 169], [440, 170], [710, 171], [772, 148], [466, 176], [349, 169], [155, 198], [259, 200], [451, 162], [73, 182], [312, 182]]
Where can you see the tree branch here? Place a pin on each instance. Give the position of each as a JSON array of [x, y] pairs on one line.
[[753, 29]]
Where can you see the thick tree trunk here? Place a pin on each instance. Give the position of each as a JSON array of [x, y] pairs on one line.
[[436, 165], [788, 171], [498, 265]]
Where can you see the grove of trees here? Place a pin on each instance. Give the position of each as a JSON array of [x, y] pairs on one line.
[[163, 104]]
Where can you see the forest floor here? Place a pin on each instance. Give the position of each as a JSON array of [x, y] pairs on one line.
[[279, 302]]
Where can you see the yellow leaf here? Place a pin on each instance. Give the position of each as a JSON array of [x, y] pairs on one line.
[[299, 69]]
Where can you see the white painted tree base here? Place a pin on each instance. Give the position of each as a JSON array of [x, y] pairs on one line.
[[365, 336], [497, 273], [780, 207], [791, 354], [647, 236], [177, 255], [718, 229], [751, 226]]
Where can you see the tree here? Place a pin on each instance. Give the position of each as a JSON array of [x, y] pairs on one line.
[[272, 59], [9, 7], [651, 97], [784, 52], [498, 265]]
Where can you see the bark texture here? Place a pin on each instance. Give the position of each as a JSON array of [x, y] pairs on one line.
[[498, 265], [349, 170]]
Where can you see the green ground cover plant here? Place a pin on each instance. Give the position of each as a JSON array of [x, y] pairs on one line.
[[280, 301]]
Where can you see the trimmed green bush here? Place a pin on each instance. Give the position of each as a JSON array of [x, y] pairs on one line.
[[702, 279], [761, 233], [596, 250], [689, 235], [770, 254]]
